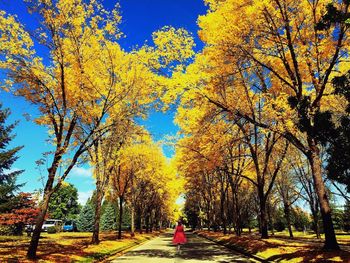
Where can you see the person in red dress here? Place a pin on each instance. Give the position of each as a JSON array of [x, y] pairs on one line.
[[179, 235]]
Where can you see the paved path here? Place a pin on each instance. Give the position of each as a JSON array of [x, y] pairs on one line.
[[196, 250]]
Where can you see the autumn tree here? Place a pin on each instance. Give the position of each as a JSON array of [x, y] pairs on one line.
[[286, 186], [72, 90], [289, 54], [145, 182], [85, 76]]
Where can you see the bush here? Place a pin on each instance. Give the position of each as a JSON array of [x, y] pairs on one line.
[[6, 230], [11, 230], [51, 230]]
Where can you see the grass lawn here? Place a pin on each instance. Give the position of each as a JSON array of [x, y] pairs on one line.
[[68, 247], [278, 249]]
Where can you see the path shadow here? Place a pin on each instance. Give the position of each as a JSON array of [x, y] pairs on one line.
[[196, 249], [154, 253]]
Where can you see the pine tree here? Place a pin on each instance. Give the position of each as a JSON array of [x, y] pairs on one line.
[[9, 199], [109, 218], [86, 218]]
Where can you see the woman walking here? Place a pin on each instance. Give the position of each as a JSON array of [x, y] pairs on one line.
[[179, 235]]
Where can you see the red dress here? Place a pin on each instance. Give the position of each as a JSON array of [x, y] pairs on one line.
[[179, 235]]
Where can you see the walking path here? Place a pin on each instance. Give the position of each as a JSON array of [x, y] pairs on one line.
[[197, 250]]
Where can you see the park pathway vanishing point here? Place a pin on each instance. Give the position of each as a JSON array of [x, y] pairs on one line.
[[197, 249]]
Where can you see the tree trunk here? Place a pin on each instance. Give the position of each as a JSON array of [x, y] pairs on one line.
[[147, 223], [263, 218], [270, 219], [315, 223], [141, 225], [31, 253], [151, 222], [316, 167], [287, 215], [222, 212], [132, 220], [96, 231], [120, 222]]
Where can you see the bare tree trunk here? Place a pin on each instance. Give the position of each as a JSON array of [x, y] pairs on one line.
[[315, 224], [31, 253], [141, 221], [132, 220], [270, 217], [287, 215], [120, 222], [147, 223], [263, 218], [316, 164], [96, 231]]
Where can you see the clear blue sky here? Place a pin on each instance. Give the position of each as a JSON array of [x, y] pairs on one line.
[[140, 19]]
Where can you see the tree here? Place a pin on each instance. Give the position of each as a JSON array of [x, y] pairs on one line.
[[9, 198], [86, 217], [104, 156], [143, 183], [338, 139], [346, 215], [25, 212], [16, 209], [287, 190], [300, 219], [109, 217], [274, 50], [64, 204], [86, 81]]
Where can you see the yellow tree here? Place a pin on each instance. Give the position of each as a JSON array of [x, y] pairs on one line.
[[86, 77], [103, 157], [143, 178], [289, 51], [202, 106], [73, 89]]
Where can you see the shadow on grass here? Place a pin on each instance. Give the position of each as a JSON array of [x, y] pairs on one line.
[[315, 255], [47, 250]]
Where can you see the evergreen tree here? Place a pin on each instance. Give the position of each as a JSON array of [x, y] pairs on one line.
[[346, 216], [338, 163], [86, 217], [109, 218], [9, 199]]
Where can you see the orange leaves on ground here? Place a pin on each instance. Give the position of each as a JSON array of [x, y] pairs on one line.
[[286, 250], [68, 247]]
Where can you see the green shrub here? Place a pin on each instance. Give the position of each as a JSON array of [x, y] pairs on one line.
[[51, 230]]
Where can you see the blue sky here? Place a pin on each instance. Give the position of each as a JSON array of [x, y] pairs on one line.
[[140, 19]]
